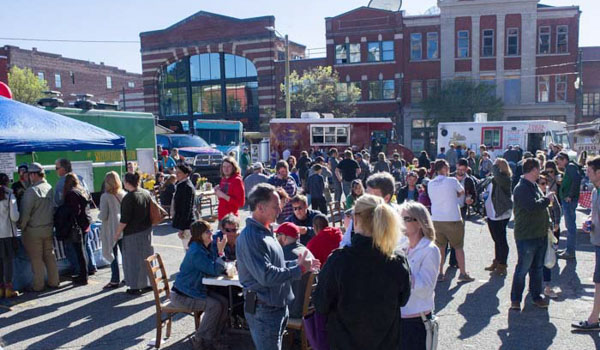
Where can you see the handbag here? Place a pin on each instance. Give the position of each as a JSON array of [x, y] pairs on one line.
[[432, 329], [550, 257], [315, 326], [157, 213]]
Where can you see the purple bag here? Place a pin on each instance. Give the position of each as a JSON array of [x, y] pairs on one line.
[[315, 327]]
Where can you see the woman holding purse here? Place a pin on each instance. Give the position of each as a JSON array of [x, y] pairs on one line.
[[110, 214], [9, 215]]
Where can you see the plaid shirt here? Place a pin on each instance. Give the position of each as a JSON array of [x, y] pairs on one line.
[[289, 185]]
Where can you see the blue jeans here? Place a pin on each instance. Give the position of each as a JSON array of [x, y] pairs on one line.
[[71, 255], [570, 215], [531, 253], [114, 266], [267, 325]]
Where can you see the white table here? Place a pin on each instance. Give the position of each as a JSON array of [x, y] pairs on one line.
[[222, 281]]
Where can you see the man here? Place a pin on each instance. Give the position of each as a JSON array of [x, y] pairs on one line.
[[257, 177], [183, 204], [346, 171], [315, 186], [593, 173], [286, 154], [365, 168], [326, 240], [519, 169], [396, 163], [569, 194], [444, 193], [465, 200], [333, 164], [230, 227], [264, 273], [283, 179], [20, 186], [245, 161], [442, 154], [532, 222], [287, 235], [452, 157], [37, 219], [303, 165], [409, 192], [302, 217]]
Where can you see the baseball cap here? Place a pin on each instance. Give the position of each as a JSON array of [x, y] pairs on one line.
[[288, 229], [35, 168], [22, 167], [257, 166]]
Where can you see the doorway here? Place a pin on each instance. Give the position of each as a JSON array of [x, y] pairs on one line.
[[535, 142]]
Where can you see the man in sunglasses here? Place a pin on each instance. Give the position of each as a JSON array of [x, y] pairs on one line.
[[230, 227], [303, 218]]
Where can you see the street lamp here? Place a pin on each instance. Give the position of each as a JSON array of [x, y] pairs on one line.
[[288, 103]]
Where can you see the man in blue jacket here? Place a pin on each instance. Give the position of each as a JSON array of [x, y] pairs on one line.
[[569, 195], [264, 273]]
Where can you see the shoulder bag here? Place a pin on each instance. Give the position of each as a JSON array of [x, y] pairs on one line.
[[432, 329], [157, 213]]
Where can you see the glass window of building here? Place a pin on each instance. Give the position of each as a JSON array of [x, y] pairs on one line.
[[512, 90], [544, 40], [41, 76], [432, 87], [416, 47], [389, 92], [543, 89], [354, 50], [380, 51], [561, 88], [432, 46], [375, 90], [131, 84], [109, 82], [373, 52], [512, 42], [562, 39], [591, 104], [341, 54], [416, 91], [463, 43], [57, 81], [343, 91], [487, 43], [387, 50]]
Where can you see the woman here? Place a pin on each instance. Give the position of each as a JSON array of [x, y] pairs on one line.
[[553, 179], [230, 192], [357, 190], [485, 165], [9, 215], [77, 201], [424, 259], [366, 279], [498, 208], [136, 227], [424, 161], [472, 160], [541, 157], [555, 213], [110, 215], [167, 191], [183, 207], [382, 164], [190, 293]]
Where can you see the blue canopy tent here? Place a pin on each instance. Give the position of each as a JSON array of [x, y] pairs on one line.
[[25, 128]]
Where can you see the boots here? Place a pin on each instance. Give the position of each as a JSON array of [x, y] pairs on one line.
[[1, 290], [500, 270], [492, 267], [9, 292]]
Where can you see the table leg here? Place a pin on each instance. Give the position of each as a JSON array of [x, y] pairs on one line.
[[230, 309]]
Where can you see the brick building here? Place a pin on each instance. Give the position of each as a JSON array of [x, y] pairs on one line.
[[590, 62], [73, 76]]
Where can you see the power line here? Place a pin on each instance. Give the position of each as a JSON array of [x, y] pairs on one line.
[[76, 41]]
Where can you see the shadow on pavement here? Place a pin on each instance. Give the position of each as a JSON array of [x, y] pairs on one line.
[[529, 329], [480, 306]]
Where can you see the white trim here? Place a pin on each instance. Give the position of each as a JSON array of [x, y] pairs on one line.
[[262, 59], [266, 106], [329, 42], [262, 88], [265, 49], [330, 120], [399, 36], [266, 97], [552, 13], [158, 60], [260, 69], [363, 64], [418, 21]]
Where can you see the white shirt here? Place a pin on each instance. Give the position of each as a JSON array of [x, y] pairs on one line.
[[424, 261], [443, 192], [489, 207], [286, 154]]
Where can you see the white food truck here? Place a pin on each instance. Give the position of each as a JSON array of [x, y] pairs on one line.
[[530, 135]]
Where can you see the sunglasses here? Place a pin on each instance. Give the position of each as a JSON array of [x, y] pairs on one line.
[[409, 219], [543, 184], [298, 208], [230, 230]]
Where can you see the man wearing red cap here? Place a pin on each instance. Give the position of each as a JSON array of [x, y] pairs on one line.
[[288, 235]]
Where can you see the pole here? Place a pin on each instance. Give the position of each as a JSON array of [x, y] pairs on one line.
[[288, 103], [124, 106]]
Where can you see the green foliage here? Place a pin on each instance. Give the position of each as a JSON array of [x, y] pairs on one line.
[[25, 86], [458, 100], [319, 90]]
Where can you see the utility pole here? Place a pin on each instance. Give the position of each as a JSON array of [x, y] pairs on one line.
[[124, 106], [288, 98]]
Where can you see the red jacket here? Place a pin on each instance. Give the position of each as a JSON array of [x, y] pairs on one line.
[[326, 241], [233, 187]]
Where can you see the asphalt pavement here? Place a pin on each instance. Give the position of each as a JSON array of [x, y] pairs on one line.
[[472, 315]]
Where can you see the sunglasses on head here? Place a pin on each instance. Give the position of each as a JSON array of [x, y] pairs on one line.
[[409, 219]]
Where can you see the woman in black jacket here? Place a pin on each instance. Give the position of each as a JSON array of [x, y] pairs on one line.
[[77, 201], [363, 286], [183, 202], [424, 161]]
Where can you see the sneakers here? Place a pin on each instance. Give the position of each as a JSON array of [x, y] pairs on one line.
[[515, 306], [464, 277], [541, 303], [492, 267], [9, 292], [586, 326], [565, 255]]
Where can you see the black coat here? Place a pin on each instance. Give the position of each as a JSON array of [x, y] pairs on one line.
[[184, 198], [403, 194], [361, 292]]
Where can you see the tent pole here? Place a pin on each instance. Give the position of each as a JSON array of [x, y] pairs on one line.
[[125, 159]]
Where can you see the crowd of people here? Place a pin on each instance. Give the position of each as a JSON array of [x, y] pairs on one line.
[[401, 220]]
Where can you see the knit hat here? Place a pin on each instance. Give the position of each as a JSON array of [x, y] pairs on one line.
[[288, 229]]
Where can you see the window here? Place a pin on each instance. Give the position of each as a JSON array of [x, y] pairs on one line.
[[206, 99], [381, 90], [238, 67], [131, 84], [432, 87], [492, 137], [205, 67], [380, 51], [416, 91], [463, 43], [561, 88], [416, 47], [591, 104], [421, 123], [432, 46], [173, 101], [329, 135], [562, 39], [57, 81], [175, 73], [108, 82], [512, 42], [347, 53], [41, 76], [343, 89], [512, 90], [487, 45], [544, 40], [543, 89]]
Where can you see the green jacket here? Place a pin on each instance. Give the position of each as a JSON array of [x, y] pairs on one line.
[[37, 210], [532, 219]]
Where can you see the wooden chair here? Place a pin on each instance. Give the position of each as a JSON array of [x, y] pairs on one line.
[[296, 324], [337, 214], [164, 310]]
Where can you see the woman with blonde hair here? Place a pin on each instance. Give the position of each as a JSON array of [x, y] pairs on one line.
[[368, 279], [382, 164], [230, 191], [424, 258], [110, 215]]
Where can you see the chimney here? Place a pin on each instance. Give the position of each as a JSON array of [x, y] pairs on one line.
[[101, 63], [34, 49]]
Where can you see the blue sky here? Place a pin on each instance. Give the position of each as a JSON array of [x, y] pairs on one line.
[[125, 19]]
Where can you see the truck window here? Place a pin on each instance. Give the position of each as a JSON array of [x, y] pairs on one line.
[[188, 141], [492, 137], [329, 135]]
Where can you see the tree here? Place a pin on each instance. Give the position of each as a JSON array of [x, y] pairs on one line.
[[25, 86], [458, 100], [319, 90]]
